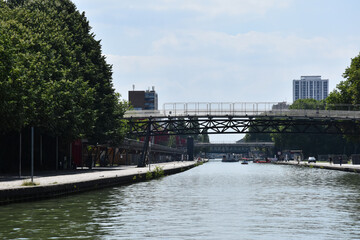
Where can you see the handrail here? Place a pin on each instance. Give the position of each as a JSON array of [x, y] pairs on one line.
[[246, 112]]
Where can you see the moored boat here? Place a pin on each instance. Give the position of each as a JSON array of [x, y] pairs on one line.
[[230, 158], [266, 160], [245, 161]]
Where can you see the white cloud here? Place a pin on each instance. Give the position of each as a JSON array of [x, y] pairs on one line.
[[216, 7], [213, 66], [129, 64], [274, 44], [204, 7]]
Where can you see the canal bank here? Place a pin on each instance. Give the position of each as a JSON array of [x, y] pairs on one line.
[[324, 165], [64, 183]]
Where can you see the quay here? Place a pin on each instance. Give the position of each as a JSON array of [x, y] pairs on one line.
[[55, 184], [324, 165]]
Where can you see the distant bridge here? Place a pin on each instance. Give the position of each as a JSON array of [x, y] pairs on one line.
[[240, 147]]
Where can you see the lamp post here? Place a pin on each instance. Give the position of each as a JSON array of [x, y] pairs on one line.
[[32, 154]]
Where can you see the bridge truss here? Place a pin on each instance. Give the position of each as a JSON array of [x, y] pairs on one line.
[[241, 124], [228, 118]]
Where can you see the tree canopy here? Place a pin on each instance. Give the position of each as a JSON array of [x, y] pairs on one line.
[[348, 91], [53, 74], [308, 103]]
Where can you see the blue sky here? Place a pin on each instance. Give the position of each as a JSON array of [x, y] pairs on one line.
[[224, 50]]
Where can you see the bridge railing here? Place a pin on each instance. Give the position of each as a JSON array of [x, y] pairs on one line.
[[216, 108], [245, 108]]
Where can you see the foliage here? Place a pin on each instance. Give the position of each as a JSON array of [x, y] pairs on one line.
[[53, 75], [199, 163], [348, 91], [158, 172], [309, 103], [149, 175], [29, 183]]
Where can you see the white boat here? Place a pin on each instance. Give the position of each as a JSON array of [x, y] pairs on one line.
[[230, 158]]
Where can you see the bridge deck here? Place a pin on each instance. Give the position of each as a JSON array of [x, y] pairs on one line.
[[305, 113]]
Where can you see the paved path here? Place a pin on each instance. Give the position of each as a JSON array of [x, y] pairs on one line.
[[326, 165], [84, 175]]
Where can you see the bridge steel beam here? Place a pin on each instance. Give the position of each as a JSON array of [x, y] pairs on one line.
[[241, 124], [144, 154]]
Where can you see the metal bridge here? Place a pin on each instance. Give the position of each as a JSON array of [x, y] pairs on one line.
[[227, 118], [239, 147], [232, 118]]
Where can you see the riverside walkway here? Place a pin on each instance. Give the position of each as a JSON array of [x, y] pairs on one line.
[[52, 184], [324, 165]]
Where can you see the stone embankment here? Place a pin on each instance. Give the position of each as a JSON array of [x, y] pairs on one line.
[[324, 165], [64, 183]]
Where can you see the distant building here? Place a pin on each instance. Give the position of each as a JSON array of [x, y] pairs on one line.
[[310, 87], [144, 100], [280, 106]]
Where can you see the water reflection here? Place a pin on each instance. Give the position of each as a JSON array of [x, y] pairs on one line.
[[59, 218], [214, 201]]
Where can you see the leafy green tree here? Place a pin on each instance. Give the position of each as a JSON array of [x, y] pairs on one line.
[[348, 91], [12, 98], [58, 77], [309, 103], [44, 92], [53, 75]]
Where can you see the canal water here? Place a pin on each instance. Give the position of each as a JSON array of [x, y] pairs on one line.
[[213, 201]]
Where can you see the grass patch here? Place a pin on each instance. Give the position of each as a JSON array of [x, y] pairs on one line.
[[29, 183], [149, 175], [199, 163], [158, 172]]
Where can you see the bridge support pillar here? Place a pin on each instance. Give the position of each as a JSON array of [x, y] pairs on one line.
[[142, 160], [190, 148]]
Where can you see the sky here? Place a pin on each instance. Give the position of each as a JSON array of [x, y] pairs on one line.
[[223, 50]]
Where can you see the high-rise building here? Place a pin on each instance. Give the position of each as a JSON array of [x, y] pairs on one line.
[[144, 100], [310, 87]]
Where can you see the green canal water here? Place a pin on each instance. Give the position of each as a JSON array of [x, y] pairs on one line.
[[214, 201]]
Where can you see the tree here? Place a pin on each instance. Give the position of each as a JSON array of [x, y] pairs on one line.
[[44, 93], [54, 74], [308, 103], [348, 91]]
